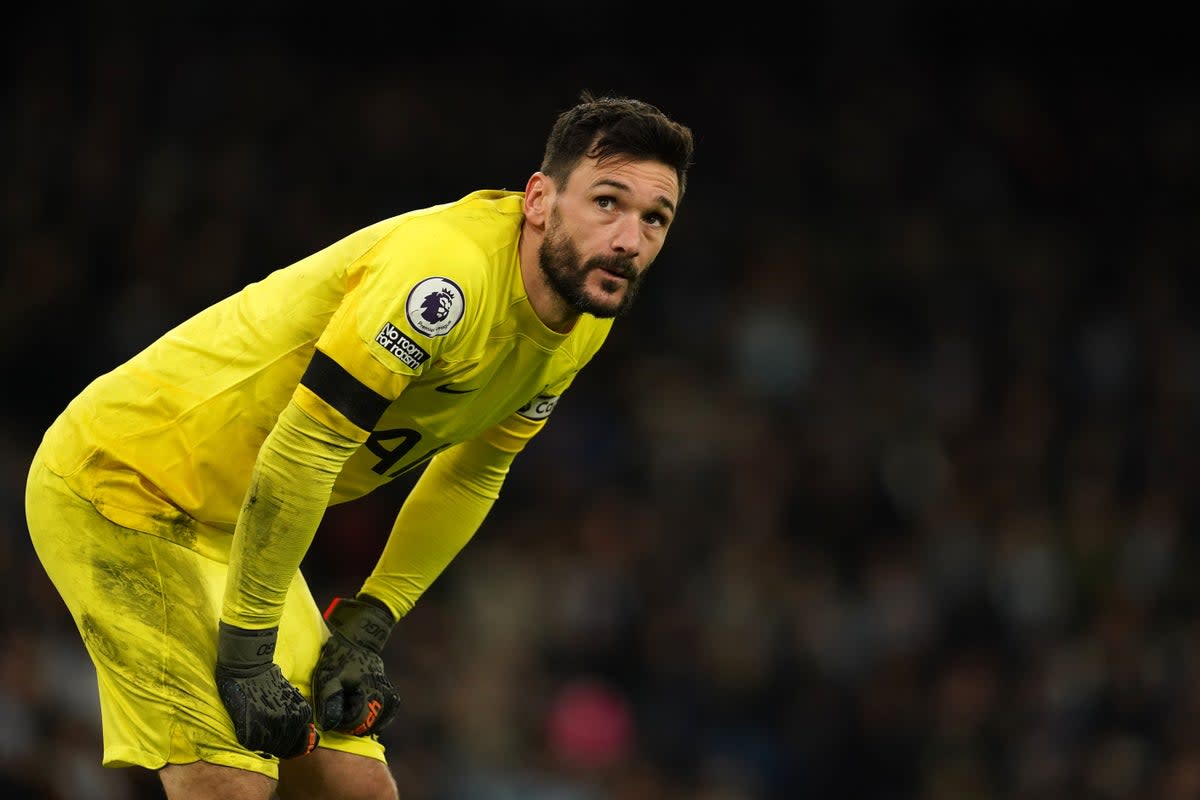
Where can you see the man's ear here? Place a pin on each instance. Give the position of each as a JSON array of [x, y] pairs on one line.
[[539, 193]]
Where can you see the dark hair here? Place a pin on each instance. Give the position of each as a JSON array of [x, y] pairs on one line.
[[604, 127]]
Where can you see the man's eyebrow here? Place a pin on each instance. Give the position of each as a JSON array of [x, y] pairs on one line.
[[662, 199]]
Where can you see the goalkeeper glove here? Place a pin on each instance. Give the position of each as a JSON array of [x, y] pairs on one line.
[[351, 690], [269, 714]]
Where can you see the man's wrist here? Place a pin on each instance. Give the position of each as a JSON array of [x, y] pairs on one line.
[[375, 601], [365, 623], [244, 652]]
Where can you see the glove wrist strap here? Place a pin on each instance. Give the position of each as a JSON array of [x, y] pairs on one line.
[[365, 623], [244, 652]]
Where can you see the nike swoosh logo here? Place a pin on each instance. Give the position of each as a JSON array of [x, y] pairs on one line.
[[447, 388]]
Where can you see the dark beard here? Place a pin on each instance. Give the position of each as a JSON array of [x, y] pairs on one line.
[[560, 263]]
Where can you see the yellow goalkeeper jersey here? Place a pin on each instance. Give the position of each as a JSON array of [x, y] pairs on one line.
[[410, 335]]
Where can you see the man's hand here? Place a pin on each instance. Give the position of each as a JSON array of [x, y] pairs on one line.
[[269, 715], [351, 691]]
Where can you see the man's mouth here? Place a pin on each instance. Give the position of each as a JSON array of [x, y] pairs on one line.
[[618, 271]]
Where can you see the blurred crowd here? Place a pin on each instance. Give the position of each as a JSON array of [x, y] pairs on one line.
[[886, 490]]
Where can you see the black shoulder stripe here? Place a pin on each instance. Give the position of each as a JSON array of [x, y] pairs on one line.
[[357, 402]]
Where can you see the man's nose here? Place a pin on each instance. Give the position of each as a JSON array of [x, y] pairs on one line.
[[626, 235]]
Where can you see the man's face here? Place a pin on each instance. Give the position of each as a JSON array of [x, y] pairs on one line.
[[605, 228]]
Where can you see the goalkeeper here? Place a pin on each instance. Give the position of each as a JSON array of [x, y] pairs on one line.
[[173, 500]]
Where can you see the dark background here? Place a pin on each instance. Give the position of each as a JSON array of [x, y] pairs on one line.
[[886, 490]]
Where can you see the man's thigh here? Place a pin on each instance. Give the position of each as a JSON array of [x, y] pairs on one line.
[[199, 781], [147, 612]]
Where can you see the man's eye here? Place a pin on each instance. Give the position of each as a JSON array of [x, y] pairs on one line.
[[605, 202]]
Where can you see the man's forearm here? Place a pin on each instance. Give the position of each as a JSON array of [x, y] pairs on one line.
[[284, 504], [442, 512]]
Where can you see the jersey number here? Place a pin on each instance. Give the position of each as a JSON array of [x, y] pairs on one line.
[[406, 439]]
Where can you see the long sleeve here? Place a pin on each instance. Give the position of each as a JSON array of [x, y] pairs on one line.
[[442, 512], [284, 504]]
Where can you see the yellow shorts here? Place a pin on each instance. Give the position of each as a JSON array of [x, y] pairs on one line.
[[147, 610]]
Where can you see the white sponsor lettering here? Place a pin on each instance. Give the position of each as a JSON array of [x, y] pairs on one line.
[[539, 407]]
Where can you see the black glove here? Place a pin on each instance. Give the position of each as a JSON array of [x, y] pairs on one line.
[[269, 715], [350, 689]]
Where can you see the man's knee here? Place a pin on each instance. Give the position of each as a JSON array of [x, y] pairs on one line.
[[328, 774]]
